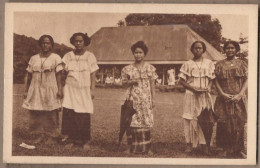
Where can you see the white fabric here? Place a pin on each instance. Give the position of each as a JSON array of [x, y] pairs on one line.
[[196, 75], [193, 133], [171, 79], [77, 94], [42, 93], [199, 78]]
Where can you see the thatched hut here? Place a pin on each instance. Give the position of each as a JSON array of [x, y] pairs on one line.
[[169, 47]]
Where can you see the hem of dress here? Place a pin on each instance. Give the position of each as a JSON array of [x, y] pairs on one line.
[[189, 117], [77, 111], [36, 109], [135, 126]]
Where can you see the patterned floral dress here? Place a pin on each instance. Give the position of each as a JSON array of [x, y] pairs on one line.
[[141, 94], [231, 75], [139, 133]]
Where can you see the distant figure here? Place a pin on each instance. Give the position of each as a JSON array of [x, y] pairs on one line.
[[158, 81], [118, 81], [43, 91], [140, 78], [171, 77], [98, 80], [109, 80]]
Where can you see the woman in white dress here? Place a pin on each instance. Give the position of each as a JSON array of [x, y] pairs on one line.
[[43, 91], [196, 76], [80, 66]]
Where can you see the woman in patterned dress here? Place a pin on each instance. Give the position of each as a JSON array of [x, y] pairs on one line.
[[43, 90], [231, 103], [196, 76], [140, 79], [80, 66]]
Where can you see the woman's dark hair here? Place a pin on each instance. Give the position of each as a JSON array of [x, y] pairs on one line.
[[234, 43], [43, 37], [201, 42], [85, 37], [139, 44]]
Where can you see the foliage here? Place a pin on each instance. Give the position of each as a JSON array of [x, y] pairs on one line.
[[121, 23], [25, 47], [204, 25]]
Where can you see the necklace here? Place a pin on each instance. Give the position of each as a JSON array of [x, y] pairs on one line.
[[199, 69], [200, 64], [230, 62], [139, 67], [77, 59], [42, 63]]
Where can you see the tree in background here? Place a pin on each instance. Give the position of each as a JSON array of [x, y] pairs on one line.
[[121, 23], [243, 42], [204, 25]]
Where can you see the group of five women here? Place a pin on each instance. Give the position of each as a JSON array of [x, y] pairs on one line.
[[45, 94]]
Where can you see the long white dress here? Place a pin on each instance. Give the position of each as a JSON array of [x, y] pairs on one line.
[[42, 93], [196, 75], [77, 87]]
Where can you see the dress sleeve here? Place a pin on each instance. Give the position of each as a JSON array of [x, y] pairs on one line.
[[65, 61], [30, 65], [93, 63], [218, 70], [185, 71], [124, 74], [151, 72], [242, 70], [58, 63]]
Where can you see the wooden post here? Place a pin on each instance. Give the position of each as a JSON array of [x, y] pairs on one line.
[[113, 73], [102, 75], [174, 75], [163, 75]]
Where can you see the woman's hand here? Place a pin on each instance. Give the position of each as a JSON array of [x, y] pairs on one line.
[[199, 90], [92, 93], [25, 95], [92, 96], [153, 103], [209, 89], [132, 82], [236, 98], [60, 94], [227, 97]]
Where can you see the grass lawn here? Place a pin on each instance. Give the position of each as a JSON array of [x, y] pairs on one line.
[[167, 133]]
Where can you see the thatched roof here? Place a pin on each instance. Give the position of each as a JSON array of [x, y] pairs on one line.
[[167, 44]]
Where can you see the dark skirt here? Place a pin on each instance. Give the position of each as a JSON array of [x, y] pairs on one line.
[[230, 124], [139, 139], [44, 122], [230, 134], [76, 125]]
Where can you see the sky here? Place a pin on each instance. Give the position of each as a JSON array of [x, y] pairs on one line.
[[61, 26]]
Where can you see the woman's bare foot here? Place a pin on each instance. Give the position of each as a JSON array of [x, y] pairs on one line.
[[39, 140], [150, 153], [127, 151], [188, 148], [69, 145], [223, 153], [86, 146]]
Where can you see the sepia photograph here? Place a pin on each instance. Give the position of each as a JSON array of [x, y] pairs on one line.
[[130, 84]]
